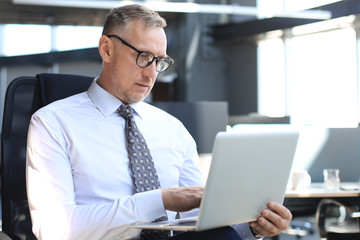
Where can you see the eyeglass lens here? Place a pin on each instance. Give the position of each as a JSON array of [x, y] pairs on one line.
[[144, 59]]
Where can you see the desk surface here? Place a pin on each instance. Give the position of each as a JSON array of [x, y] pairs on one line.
[[317, 190]]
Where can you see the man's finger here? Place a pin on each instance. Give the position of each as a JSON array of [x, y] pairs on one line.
[[280, 210], [258, 230]]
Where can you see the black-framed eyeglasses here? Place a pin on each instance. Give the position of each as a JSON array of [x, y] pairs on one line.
[[145, 59]]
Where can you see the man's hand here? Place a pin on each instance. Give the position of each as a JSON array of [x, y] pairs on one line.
[[181, 199], [272, 221]]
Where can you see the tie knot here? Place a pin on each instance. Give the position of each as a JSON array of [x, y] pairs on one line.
[[125, 111]]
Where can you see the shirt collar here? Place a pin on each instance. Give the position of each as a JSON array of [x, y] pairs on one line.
[[107, 103]]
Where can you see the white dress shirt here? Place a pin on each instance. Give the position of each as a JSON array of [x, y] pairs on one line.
[[79, 180]]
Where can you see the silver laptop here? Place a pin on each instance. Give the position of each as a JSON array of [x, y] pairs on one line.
[[248, 169]]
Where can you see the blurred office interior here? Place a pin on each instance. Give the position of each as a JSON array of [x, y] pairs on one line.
[[257, 61]]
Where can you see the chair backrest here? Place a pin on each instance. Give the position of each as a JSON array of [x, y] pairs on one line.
[[23, 97]]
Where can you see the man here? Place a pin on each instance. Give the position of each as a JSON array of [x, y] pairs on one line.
[[80, 181]]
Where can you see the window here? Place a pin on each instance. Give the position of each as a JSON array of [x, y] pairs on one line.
[[271, 78], [75, 37], [25, 39], [323, 78], [17, 39], [312, 77]]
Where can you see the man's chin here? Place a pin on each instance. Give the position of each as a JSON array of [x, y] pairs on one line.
[[136, 99]]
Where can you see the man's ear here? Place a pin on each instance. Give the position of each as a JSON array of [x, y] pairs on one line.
[[105, 48]]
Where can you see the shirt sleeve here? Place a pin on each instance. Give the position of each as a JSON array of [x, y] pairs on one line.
[[244, 231], [190, 174], [51, 196]]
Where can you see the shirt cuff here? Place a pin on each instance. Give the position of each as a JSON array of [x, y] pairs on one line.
[[149, 198], [243, 229]]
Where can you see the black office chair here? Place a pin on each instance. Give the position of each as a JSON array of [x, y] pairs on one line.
[[4, 236], [347, 228], [24, 96]]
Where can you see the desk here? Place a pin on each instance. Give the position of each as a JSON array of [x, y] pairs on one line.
[[317, 190], [305, 203]]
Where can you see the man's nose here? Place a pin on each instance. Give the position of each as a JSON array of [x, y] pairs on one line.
[[150, 71]]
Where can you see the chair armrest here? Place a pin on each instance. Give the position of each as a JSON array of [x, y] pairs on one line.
[[321, 213]]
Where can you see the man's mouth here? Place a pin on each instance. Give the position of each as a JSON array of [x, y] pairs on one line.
[[142, 84]]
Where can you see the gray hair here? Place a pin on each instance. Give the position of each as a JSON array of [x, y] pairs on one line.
[[118, 18]]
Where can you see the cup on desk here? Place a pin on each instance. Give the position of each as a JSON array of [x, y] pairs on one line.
[[301, 180], [331, 179]]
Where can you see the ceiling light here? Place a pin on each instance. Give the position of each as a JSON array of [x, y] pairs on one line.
[[181, 7]]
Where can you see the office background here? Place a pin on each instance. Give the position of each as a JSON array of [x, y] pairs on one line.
[[265, 63], [267, 66]]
